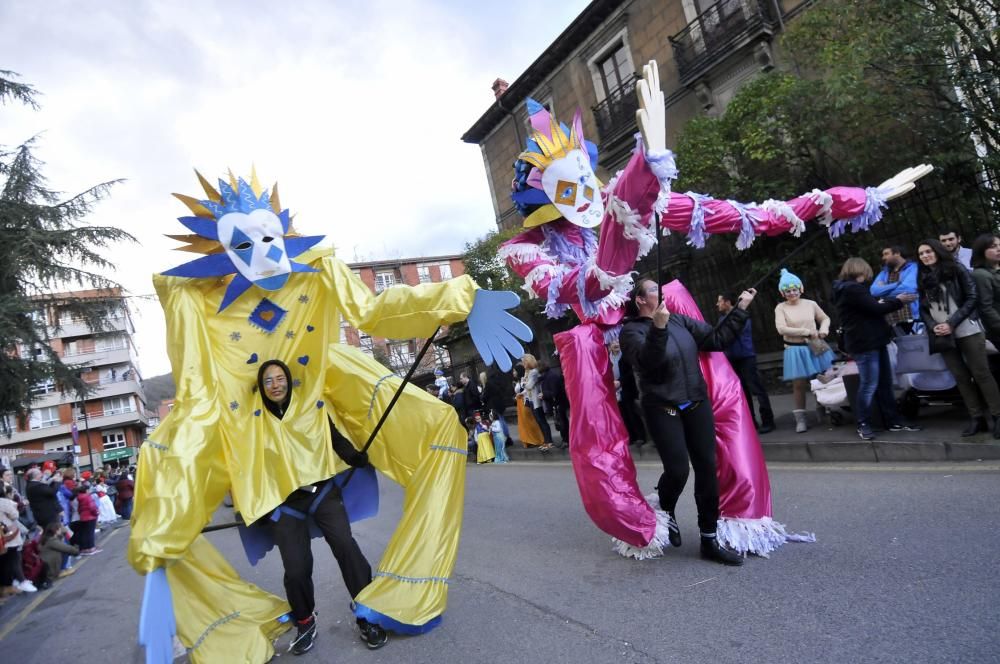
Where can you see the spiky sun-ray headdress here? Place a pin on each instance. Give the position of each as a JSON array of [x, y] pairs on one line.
[[237, 195], [550, 141]]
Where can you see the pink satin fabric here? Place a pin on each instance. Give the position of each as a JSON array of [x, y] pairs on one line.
[[744, 487], [601, 459]]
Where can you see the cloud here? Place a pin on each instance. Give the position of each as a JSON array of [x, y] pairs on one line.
[[355, 108]]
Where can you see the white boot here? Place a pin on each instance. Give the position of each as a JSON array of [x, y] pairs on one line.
[[26, 586], [800, 421]]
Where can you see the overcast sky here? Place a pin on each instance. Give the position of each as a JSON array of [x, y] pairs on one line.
[[355, 108]]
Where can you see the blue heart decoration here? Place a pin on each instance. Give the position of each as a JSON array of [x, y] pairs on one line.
[[253, 359], [256, 413], [319, 404], [304, 360], [309, 328]]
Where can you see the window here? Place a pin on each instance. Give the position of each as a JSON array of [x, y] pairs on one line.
[[400, 354], [113, 439], [383, 280], [445, 270], [41, 418], [66, 317], [424, 273], [366, 345], [614, 68], [343, 331], [117, 405], [28, 352], [59, 446], [115, 374], [45, 387], [111, 342]]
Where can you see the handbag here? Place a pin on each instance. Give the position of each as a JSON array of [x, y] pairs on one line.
[[818, 346]]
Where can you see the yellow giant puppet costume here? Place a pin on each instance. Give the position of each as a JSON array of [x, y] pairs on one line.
[[244, 302]]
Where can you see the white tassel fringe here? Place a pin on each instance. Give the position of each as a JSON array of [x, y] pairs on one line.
[[757, 536], [660, 540]]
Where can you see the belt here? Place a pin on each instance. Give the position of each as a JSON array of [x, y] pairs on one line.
[[313, 506]]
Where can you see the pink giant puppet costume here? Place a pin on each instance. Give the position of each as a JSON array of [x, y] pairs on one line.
[[562, 260]]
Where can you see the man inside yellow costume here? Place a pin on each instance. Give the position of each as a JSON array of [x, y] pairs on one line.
[[246, 301]]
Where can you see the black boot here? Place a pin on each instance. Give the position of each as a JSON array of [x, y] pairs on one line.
[[306, 637], [711, 550], [996, 427], [976, 425], [766, 421], [673, 531]]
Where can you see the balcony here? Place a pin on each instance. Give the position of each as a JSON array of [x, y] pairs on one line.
[[75, 327], [716, 33], [616, 114], [100, 358]]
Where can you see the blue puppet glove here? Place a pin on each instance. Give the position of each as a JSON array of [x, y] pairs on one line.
[[156, 619], [494, 331]]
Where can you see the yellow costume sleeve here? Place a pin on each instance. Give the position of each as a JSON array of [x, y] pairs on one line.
[[182, 477], [400, 312]]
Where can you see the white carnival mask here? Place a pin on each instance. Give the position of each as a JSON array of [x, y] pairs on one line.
[[571, 185], [255, 243]]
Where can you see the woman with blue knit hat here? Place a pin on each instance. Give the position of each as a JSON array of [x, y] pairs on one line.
[[803, 325]]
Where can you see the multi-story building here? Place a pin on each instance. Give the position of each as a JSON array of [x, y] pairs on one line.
[[705, 50], [109, 424], [379, 275]]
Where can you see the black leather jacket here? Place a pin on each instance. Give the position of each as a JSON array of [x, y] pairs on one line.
[[962, 289], [666, 361]]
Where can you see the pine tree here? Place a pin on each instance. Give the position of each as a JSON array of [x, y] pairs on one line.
[[46, 247]]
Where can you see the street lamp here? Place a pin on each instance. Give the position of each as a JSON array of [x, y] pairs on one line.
[[86, 425]]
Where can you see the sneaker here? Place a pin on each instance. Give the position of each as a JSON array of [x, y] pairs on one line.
[[904, 427], [673, 531], [306, 637], [27, 586], [865, 432], [373, 635], [712, 550]]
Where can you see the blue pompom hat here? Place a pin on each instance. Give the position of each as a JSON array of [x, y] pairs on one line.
[[789, 280]]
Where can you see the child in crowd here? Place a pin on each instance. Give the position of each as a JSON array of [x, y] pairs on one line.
[[55, 550], [479, 431], [499, 441]]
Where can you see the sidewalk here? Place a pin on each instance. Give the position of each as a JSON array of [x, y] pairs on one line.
[[939, 440]]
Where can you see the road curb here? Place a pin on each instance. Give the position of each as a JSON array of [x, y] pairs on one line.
[[826, 451]]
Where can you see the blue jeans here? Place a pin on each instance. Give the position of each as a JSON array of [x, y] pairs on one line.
[[875, 374]]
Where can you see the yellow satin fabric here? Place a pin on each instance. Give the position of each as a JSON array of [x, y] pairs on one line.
[[484, 448], [218, 437]]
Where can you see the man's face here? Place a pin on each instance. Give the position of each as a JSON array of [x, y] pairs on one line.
[[722, 304], [951, 242], [275, 383], [891, 259], [649, 295]]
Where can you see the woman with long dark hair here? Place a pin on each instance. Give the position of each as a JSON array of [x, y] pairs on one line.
[[948, 305], [986, 274]]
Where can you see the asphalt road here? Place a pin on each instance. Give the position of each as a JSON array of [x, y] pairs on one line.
[[905, 569]]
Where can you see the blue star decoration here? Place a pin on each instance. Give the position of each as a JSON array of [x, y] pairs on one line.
[[235, 336], [290, 334], [234, 196], [267, 316], [296, 383], [233, 405], [303, 299]]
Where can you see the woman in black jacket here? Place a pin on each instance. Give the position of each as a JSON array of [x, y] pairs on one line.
[[986, 274], [947, 307], [866, 335], [663, 349]]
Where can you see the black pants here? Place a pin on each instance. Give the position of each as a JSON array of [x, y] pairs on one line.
[[543, 424], [292, 537], [746, 369], [632, 420], [683, 435]]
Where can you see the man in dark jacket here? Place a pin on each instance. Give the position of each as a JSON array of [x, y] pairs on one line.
[[743, 357], [323, 503], [866, 334], [42, 498], [663, 349], [497, 394], [555, 398]]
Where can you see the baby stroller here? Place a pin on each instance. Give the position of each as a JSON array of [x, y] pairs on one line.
[[924, 378], [831, 392]]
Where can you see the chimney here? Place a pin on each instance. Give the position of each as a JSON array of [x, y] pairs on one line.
[[499, 87]]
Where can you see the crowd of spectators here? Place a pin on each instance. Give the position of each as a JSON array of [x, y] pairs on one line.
[[45, 529]]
